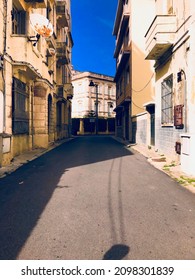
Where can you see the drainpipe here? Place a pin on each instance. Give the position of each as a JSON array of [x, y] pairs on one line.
[[4, 52]]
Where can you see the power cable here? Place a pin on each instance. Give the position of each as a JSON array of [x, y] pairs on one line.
[[136, 105], [145, 85]]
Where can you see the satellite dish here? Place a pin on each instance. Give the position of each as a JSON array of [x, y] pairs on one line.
[[41, 25]]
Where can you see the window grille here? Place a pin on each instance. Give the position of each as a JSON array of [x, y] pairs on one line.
[[20, 112], [166, 101], [18, 21]]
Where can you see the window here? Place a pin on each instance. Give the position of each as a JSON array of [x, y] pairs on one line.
[[126, 39], [166, 101], [20, 112], [121, 87], [109, 91], [164, 7], [170, 7], [109, 106], [127, 76], [18, 21], [99, 89]]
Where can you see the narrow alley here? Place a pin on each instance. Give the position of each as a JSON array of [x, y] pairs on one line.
[[92, 198]]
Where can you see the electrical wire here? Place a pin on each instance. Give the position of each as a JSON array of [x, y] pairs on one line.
[[137, 91], [136, 105], [144, 86]]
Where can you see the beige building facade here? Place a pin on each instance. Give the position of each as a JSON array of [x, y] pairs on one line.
[[134, 75], [35, 78], [85, 97], [170, 43]]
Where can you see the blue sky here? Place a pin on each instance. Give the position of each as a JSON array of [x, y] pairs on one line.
[[92, 26]]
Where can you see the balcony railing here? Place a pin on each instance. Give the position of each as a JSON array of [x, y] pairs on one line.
[[62, 53], [61, 92], [122, 60], [69, 90], [160, 36], [124, 52], [65, 91], [62, 14], [121, 16]]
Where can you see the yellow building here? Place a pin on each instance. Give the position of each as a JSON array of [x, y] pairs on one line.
[[170, 43], [36, 75], [134, 87]]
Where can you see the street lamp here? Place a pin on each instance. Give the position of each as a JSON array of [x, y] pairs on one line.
[[92, 84]]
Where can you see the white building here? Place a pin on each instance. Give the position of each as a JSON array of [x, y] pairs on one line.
[[85, 96], [170, 43]]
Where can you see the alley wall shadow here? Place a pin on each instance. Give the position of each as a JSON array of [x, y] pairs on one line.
[[25, 193]]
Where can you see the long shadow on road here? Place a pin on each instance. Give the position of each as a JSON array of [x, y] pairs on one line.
[[25, 193]]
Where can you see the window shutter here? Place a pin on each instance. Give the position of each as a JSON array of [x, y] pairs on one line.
[[22, 22]]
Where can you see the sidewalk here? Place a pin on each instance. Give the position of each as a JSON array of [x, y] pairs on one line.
[[163, 163], [171, 168], [18, 161]]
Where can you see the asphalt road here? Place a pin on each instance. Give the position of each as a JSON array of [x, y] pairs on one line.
[[91, 198]]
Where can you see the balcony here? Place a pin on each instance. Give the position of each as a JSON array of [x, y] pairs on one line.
[[122, 60], [62, 14], [122, 16], [51, 41], [61, 93], [62, 53], [65, 91], [24, 59], [69, 90], [36, 3], [124, 52], [160, 36]]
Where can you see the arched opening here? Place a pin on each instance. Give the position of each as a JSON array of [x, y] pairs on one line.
[[59, 117], [49, 113], [50, 117]]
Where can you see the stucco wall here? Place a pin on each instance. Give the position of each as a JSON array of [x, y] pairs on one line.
[[140, 129]]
